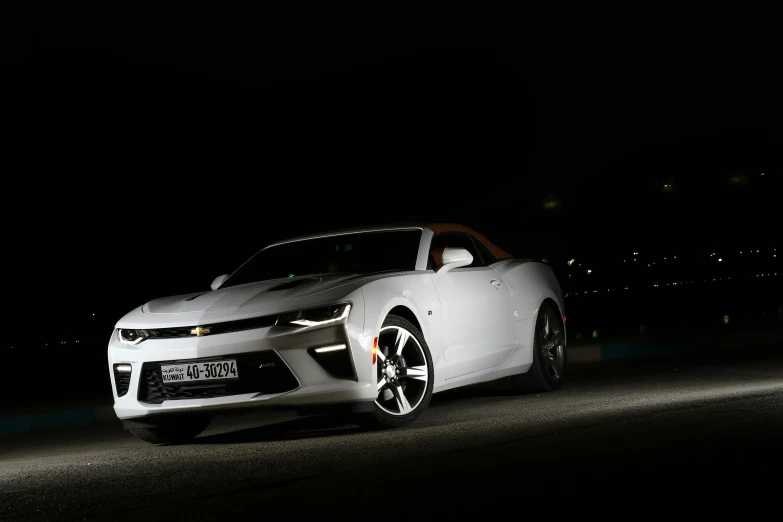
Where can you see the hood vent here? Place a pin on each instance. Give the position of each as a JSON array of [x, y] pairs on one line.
[[195, 296], [292, 284]]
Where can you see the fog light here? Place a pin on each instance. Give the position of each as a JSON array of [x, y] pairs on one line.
[[332, 348], [122, 376], [335, 359]]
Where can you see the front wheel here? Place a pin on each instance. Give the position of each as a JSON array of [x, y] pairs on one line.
[[549, 354], [404, 376]]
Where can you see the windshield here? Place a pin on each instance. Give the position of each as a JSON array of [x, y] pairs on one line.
[[362, 253]]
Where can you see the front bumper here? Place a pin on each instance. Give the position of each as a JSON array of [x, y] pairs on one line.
[[296, 379]]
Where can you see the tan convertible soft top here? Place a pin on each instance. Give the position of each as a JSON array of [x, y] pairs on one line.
[[453, 227], [437, 228]]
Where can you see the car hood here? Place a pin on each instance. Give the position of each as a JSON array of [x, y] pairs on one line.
[[270, 296]]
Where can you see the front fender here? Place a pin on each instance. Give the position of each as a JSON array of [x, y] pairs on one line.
[[415, 292]]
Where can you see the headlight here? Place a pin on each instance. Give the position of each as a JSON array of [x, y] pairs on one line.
[[315, 316], [132, 337]]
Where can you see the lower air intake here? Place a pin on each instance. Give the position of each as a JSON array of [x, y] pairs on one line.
[[122, 379], [259, 372], [336, 361]]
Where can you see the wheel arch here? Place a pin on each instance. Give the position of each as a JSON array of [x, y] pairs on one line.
[[549, 300], [408, 310], [401, 307], [553, 302], [406, 313]]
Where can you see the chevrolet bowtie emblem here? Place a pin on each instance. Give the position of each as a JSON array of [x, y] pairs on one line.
[[199, 331]]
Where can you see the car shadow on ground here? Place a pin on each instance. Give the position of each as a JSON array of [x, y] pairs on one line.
[[330, 426], [474, 392], [296, 429]]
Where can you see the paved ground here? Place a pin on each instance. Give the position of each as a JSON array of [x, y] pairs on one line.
[[620, 440]]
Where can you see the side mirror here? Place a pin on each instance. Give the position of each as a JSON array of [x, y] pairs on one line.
[[455, 258], [219, 280]]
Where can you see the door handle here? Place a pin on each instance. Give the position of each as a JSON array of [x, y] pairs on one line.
[[495, 283]]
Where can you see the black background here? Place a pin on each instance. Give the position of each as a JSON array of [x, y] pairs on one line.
[[147, 151]]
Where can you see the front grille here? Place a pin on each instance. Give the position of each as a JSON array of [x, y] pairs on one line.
[[216, 328], [121, 380], [259, 372]]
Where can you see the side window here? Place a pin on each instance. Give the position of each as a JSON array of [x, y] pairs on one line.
[[488, 257], [453, 240]]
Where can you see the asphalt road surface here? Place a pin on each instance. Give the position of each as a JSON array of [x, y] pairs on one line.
[[673, 438]]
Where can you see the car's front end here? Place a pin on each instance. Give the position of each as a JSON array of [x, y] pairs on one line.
[[287, 330], [177, 362]]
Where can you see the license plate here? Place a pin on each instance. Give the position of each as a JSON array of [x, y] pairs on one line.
[[203, 371]]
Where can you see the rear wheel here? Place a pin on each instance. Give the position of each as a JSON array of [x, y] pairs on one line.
[[549, 354], [177, 430], [404, 376]]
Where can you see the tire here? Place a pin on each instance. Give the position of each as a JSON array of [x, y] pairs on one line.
[[174, 431], [405, 376], [549, 354]]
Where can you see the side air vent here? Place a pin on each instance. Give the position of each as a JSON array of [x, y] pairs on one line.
[[335, 360], [122, 375]]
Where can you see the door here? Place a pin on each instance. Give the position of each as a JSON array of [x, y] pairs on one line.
[[476, 309]]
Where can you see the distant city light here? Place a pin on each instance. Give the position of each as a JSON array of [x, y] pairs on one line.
[[571, 262], [636, 253], [762, 173], [551, 203], [93, 314], [589, 271], [719, 260]]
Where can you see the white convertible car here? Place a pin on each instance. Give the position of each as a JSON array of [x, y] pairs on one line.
[[368, 323]]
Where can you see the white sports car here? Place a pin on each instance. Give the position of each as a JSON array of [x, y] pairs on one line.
[[368, 323]]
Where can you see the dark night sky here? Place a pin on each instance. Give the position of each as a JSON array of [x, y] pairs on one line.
[[147, 151]]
